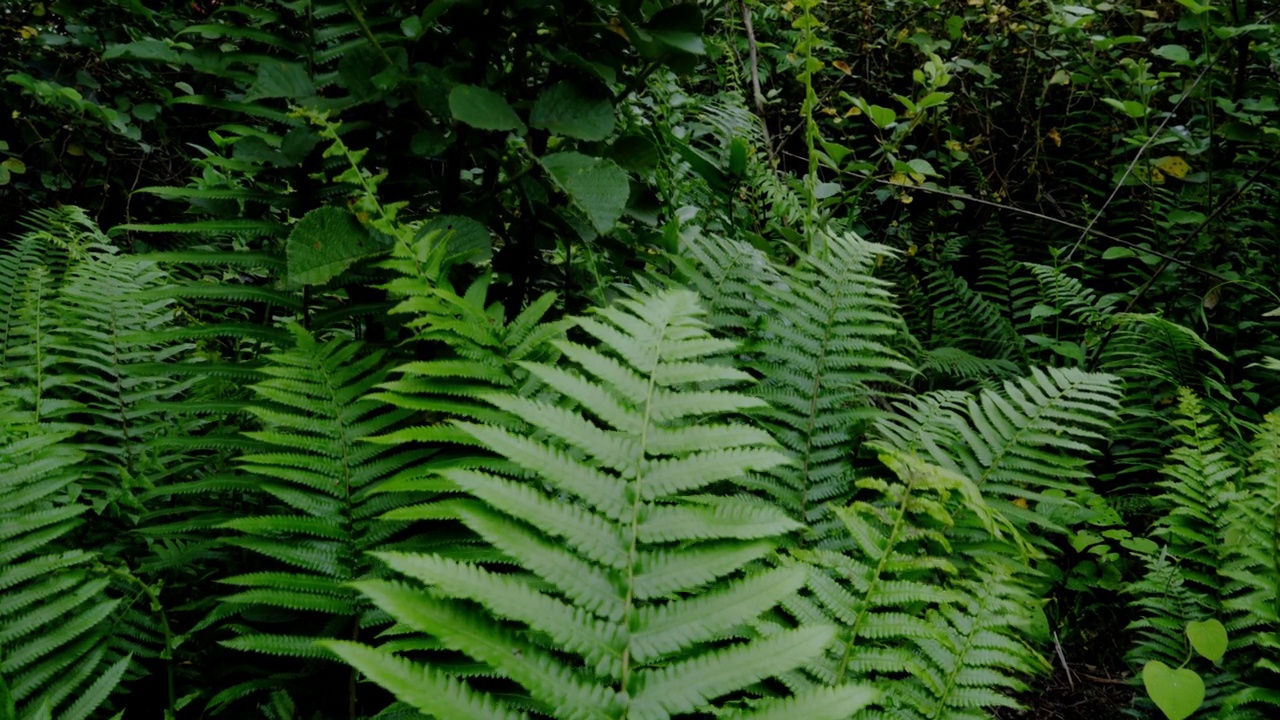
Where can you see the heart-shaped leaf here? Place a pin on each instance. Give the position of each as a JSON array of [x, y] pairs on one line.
[[1209, 638], [1177, 693], [277, 79]]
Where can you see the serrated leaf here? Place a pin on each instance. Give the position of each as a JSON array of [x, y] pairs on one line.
[[323, 244], [468, 241], [148, 49], [597, 186], [277, 79], [483, 109], [569, 109]]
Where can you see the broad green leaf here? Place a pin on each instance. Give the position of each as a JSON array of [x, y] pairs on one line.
[[323, 244], [1195, 7], [1132, 108], [14, 165], [569, 109], [597, 186], [634, 153], [277, 79], [1208, 637], [1176, 53], [923, 167], [468, 240], [1178, 693], [483, 109], [883, 117], [679, 28], [1117, 253], [148, 49]]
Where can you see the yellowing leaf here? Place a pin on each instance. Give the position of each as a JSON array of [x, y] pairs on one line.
[[1020, 502], [27, 32], [1054, 136], [829, 111], [616, 27], [843, 67], [75, 150], [1172, 165], [900, 179], [855, 110]]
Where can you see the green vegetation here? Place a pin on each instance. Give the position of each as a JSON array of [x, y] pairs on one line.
[[630, 359]]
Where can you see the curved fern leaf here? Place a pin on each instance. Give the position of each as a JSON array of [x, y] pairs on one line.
[[617, 600]]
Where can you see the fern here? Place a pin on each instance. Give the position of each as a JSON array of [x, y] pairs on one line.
[[1251, 588], [827, 342], [1032, 436], [958, 316], [322, 478], [613, 537], [939, 644], [55, 613], [1251, 591], [1220, 561]]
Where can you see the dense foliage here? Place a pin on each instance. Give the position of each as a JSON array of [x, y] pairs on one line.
[[638, 359]]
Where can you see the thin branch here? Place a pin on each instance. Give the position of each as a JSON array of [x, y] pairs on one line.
[[1182, 245], [1133, 163], [754, 59], [1048, 218]]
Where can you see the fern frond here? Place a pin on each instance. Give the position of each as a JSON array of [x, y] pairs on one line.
[[54, 614], [826, 342], [320, 476], [1033, 435], [613, 597]]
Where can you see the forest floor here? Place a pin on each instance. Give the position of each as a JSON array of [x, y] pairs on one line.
[[1098, 686]]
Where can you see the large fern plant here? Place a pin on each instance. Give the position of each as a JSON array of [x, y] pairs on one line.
[[319, 513], [1220, 558], [57, 658], [632, 581]]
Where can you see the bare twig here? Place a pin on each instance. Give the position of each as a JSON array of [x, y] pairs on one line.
[[1138, 156], [1062, 657], [754, 60], [1047, 218]]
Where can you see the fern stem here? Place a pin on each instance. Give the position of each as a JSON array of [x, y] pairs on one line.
[[628, 606], [154, 601], [890, 543]]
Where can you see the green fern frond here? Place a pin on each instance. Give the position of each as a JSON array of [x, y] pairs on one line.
[[1033, 435], [312, 462], [55, 616], [731, 276], [896, 605], [602, 577], [827, 340], [233, 227], [958, 316], [1251, 593]]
